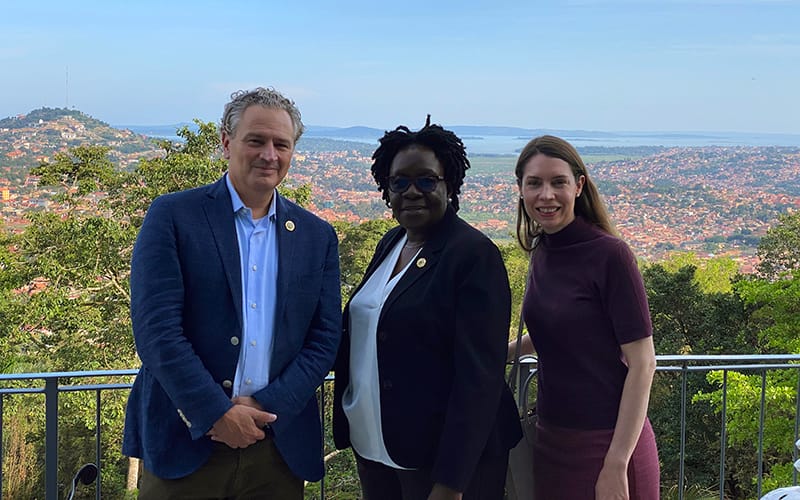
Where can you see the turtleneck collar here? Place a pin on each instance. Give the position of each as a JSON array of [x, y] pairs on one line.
[[577, 231]]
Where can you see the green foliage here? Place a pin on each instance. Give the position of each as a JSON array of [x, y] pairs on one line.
[[677, 308], [357, 244], [693, 492], [300, 195], [192, 163], [777, 310], [23, 458], [779, 475], [65, 298], [743, 420], [12, 276], [744, 404], [80, 170], [779, 249], [686, 320], [773, 304], [516, 261], [713, 275]]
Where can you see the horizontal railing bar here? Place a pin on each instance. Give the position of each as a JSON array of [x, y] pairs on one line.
[[689, 358], [79, 374], [711, 368], [20, 390], [66, 388], [727, 357], [751, 363], [95, 387]]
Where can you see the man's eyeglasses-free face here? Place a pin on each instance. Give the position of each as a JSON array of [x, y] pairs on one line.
[[399, 184]]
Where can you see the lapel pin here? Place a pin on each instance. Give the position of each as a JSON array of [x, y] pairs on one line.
[[289, 225], [421, 262]]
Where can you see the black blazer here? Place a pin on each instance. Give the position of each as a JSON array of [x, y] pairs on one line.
[[442, 344]]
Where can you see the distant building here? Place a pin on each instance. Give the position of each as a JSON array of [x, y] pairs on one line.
[[5, 194]]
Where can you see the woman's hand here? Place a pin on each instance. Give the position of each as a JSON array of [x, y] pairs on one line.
[[612, 483], [442, 492]]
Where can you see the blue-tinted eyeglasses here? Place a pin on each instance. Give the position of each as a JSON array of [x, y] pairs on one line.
[[399, 184]]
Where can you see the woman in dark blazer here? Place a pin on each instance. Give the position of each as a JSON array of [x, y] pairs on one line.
[[420, 393]]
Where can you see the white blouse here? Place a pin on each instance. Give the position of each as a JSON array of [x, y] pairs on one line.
[[362, 400]]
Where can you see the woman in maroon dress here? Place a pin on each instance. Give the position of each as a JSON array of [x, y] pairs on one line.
[[587, 314]]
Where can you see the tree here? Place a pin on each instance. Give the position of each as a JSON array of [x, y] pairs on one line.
[[676, 308], [772, 299], [516, 261], [193, 162], [715, 274], [357, 244], [80, 170], [11, 278], [779, 249]]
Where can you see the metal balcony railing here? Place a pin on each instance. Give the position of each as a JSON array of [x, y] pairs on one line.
[[50, 385]]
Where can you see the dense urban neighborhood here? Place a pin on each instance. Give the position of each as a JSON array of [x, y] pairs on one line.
[[709, 200]]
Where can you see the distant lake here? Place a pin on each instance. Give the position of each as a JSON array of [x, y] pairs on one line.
[[500, 144], [511, 144]]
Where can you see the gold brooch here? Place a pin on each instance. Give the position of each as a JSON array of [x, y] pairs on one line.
[[421, 262], [289, 225]]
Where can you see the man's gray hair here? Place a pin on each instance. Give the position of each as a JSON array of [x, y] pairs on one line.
[[267, 97]]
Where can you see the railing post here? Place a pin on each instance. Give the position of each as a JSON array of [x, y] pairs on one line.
[[761, 432], [51, 438], [2, 397], [796, 428], [682, 460], [322, 411], [723, 437], [98, 451]]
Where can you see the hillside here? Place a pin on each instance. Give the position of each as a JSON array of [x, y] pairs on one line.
[[27, 140]]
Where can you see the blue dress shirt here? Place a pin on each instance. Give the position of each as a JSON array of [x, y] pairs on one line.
[[258, 255]]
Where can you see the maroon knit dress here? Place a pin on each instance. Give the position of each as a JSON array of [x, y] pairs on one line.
[[585, 298]]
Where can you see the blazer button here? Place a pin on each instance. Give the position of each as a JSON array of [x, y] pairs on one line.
[[387, 384], [227, 384], [234, 340], [383, 335]]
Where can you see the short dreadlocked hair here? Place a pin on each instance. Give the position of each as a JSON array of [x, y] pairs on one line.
[[446, 145]]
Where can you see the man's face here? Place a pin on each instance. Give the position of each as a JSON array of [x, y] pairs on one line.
[[260, 152]]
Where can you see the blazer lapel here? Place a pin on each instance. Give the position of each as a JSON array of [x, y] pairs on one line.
[[381, 254], [219, 213], [427, 258], [287, 253]]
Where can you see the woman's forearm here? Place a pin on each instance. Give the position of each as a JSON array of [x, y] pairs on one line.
[[525, 347], [635, 398]]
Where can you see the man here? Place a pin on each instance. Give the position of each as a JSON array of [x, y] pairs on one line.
[[236, 315]]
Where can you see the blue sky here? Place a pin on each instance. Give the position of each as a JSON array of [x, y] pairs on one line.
[[616, 65]]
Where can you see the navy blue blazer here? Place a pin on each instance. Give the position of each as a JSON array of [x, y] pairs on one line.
[[442, 345], [186, 310]]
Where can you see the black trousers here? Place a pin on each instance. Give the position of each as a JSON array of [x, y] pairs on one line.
[[381, 482]]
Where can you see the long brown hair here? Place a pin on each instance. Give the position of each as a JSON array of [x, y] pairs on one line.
[[589, 205]]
